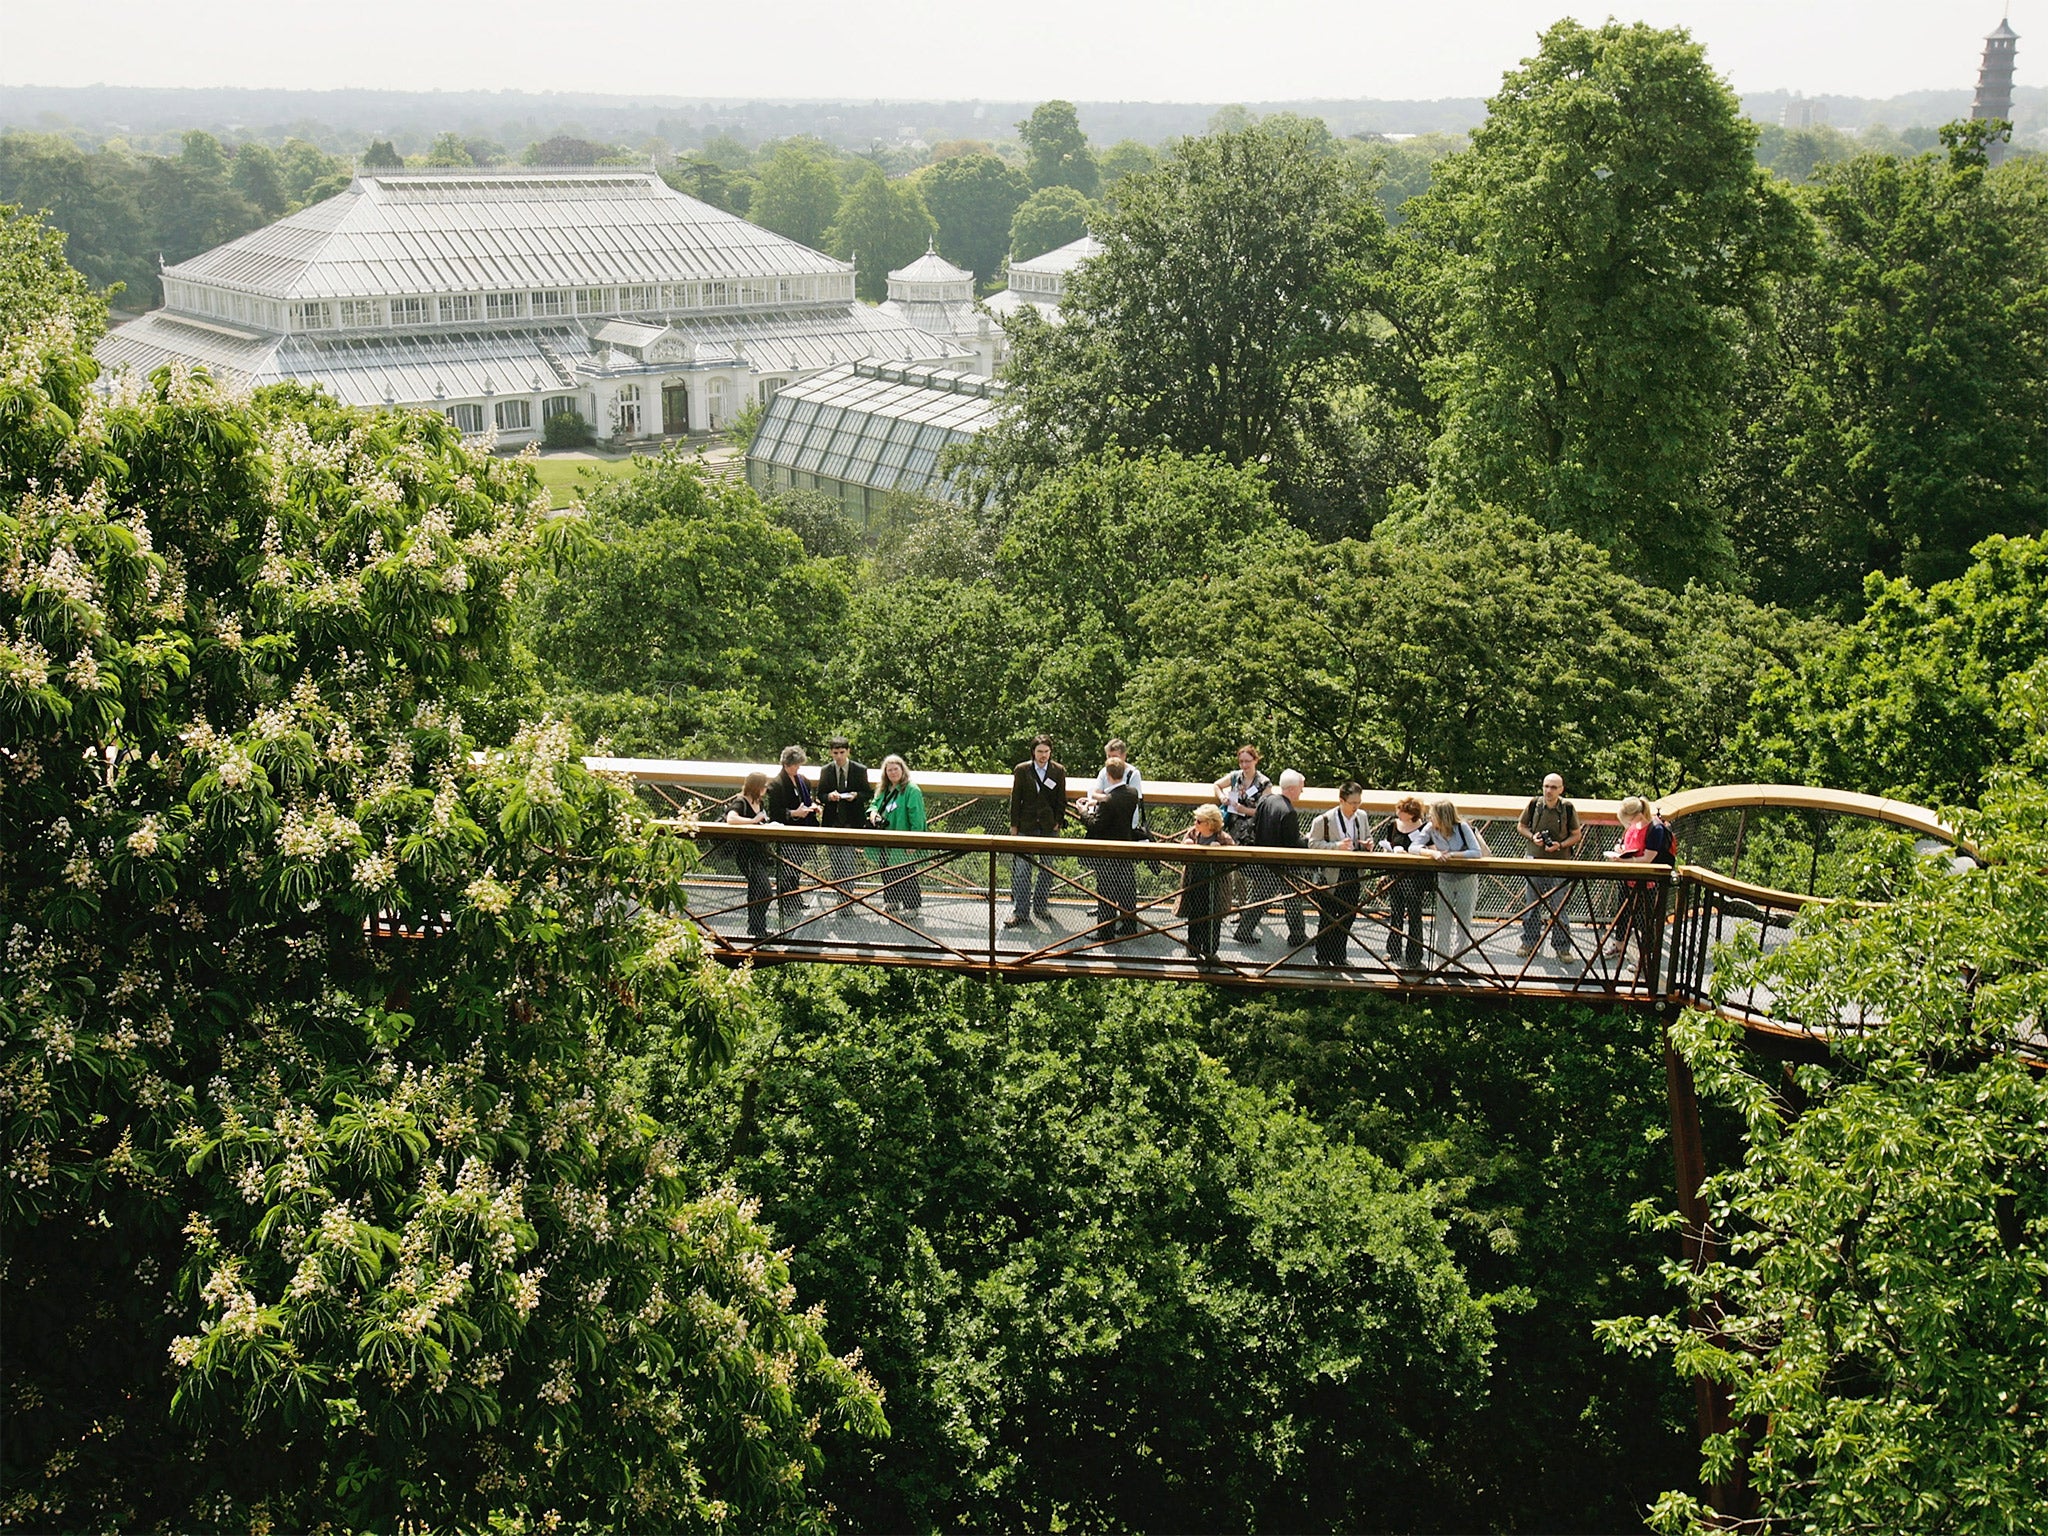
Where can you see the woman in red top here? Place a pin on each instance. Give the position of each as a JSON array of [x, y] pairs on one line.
[[1634, 848]]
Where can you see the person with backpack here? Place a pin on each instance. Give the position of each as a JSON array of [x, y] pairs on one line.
[[1639, 825], [1550, 823]]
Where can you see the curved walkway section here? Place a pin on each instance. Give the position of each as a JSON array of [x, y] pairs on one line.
[[1499, 928]]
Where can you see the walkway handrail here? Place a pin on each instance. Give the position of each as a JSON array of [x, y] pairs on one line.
[[1800, 797], [727, 777], [1157, 850]]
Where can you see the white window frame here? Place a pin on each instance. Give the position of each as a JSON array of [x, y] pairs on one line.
[[467, 418], [513, 415]]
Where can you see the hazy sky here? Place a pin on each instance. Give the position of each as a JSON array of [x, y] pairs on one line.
[[1158, 50]]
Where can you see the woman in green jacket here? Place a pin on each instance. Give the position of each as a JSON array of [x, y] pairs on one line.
[[898, 806]]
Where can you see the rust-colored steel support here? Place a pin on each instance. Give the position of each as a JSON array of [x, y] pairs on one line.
[[1734, 1498]]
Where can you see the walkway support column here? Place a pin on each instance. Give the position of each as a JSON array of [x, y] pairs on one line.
[[1697, 1248]]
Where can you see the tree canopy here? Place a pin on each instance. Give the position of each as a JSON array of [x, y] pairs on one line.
[[1232, 296], [1876, 1313], [1608, 233], [882, 225], [325, 1201], [1058, 150], [1895, 408], [972, 198]]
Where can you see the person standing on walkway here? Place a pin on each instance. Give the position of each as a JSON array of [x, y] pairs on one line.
[[1205, 888], [1038, 808], [1238, 794], [843, 786], [756, 860], [1449, 837], [1551, 825], [1343, 830], [1402, 832], [1276, 825], [1116, 755], [899, 807], [1116, 880], [1635, 897], [791, 802]]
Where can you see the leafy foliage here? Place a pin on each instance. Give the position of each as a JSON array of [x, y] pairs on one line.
[[1229, 302], [1877, 1312], [122, 211], [381, 1236], [882, 225], [1895, 415], [1540, 1127], [972, 199], [798, 194], [1027, 622], [1058, 150], [37, 284], [1609, 232], [1048, 219], [690, 623], [1923, 697], [1445, 652], [1104, 1285]]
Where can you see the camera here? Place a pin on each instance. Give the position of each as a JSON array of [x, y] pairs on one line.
[[1545, 840]]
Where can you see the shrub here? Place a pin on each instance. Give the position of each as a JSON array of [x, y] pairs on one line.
[[568, 430]]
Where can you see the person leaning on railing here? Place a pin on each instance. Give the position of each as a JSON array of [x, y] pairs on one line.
[[1277, 824], [1402, 832], [1343, 829], [756, 861], [1205, 886], [899, 807], [791, 803], [1116, 820], [1448, 837], [1645, 839]]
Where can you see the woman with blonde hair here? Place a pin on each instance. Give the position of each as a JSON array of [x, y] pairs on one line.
[[1635, 895], [1445, 837], [1204, 891], [898, 806]]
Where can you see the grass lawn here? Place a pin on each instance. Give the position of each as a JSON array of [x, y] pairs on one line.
[[568, 480]]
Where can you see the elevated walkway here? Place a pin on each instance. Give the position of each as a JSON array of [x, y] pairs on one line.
[[1498, 929]]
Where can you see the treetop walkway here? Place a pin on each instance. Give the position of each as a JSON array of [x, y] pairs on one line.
[[1495, 928], [1754, 857]]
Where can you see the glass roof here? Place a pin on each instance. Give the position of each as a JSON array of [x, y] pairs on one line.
[[466, 231], [876, 426]]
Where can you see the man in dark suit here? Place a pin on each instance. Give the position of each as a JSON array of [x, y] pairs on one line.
[[789, 800], [843, 787], [1277, 825], [1116, 880], [1038, 808]]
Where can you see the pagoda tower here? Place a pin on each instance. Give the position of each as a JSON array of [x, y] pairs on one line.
[[1994, 82]]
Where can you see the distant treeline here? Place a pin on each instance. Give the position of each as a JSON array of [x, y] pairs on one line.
[[342, 122], [1031, 178]]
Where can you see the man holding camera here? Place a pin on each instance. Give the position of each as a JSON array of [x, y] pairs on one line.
[[1551, 823]]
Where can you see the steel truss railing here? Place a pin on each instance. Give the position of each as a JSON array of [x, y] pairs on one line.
[[1255, 916]]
